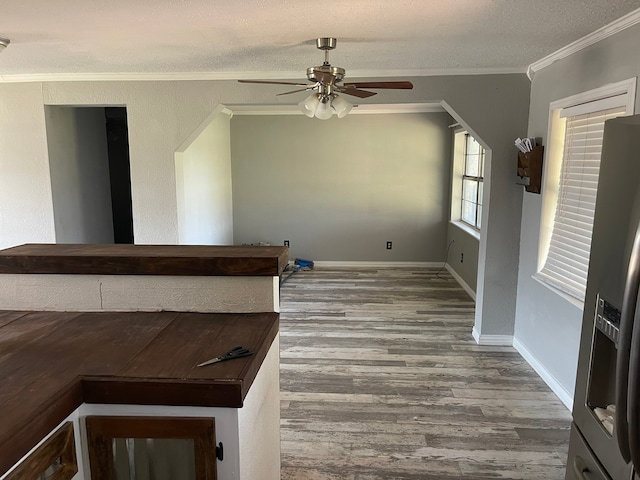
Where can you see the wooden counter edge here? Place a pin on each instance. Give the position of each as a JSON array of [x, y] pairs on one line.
[[53, 259]]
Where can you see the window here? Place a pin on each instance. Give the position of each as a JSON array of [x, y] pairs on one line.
[[471, 204], [567, 250]]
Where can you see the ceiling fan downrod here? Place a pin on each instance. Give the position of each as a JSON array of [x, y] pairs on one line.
[[325, 74], [326, 44]]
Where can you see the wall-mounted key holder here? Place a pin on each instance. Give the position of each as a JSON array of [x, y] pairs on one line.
[[530, 169]]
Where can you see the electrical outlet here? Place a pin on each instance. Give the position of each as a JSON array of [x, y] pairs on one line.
[[389, 245], [286, 243], [462, 258]]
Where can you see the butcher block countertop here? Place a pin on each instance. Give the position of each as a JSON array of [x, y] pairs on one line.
[[189, 260], [51, 362]]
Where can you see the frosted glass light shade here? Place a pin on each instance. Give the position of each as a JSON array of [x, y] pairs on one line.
[[341, 106], [309, 105], [324, 110]]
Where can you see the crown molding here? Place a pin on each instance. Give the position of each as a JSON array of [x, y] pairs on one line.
[[182, 76], [608, 30]]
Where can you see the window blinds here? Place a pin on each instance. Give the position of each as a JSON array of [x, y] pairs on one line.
[[568, 258]]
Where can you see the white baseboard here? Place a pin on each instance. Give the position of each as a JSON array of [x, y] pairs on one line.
[[557, 388], [349, 264], [476, 335], [462, 283], [494, 340]]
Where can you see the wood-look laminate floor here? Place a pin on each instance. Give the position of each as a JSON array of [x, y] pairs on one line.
[[381, 379]]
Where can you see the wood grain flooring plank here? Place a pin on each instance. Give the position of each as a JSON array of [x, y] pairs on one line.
[[6, 317], [380, 379]]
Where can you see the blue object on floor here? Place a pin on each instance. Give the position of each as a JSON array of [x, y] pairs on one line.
[[304, 263]]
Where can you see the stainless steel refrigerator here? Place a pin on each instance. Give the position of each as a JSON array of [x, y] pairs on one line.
[[605, 433]]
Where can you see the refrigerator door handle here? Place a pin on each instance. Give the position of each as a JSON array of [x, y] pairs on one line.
[[580, 469], [623, 360], [633, 415]]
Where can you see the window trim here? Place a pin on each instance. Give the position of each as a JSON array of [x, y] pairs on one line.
[[465, 227], [554, 160], [458, 178]]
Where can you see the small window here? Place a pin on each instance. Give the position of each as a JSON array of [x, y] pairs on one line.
[[472, 182]]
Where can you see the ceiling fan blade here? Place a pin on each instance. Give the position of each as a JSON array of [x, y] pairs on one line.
[[274, 83], [324, 77], [399, 85], [310, 87], [356, 93]]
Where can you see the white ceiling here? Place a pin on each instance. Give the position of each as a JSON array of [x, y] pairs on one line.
[[276, 38]]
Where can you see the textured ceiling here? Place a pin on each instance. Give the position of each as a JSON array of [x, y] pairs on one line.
[[276, 37]]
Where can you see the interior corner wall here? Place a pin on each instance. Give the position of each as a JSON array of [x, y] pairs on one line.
[[339, 189], [495, 112], [203, 175], [79, 169], [548, 326]]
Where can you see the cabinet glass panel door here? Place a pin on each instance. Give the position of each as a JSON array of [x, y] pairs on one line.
[[151, 448], [154, 459]]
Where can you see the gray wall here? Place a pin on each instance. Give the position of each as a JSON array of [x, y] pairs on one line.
[[79, 168], [464, 248], [547, 325], [339, 189], [494, 110], [466, 245], [161, 115]]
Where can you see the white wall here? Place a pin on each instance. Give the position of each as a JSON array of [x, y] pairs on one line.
[[548, 326], [79, 169], [162, 115], [203, 178], [26, 208], [339, 189]]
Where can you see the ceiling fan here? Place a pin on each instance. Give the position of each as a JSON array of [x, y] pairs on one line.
[[327, 86]]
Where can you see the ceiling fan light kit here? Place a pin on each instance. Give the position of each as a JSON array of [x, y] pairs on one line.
[[4, 43], [309, 105], [325, 101], [341, 106], [315, 105], [324, 110]]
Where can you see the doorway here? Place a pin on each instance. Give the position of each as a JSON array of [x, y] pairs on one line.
[[90, 174]]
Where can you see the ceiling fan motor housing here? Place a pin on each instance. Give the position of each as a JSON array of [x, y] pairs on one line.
[[316, 74], [337, 72]]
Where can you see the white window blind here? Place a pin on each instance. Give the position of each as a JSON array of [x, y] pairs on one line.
[[568, 258]]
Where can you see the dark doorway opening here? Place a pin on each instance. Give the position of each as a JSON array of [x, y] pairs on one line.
[[119, 173], [90, 174]]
